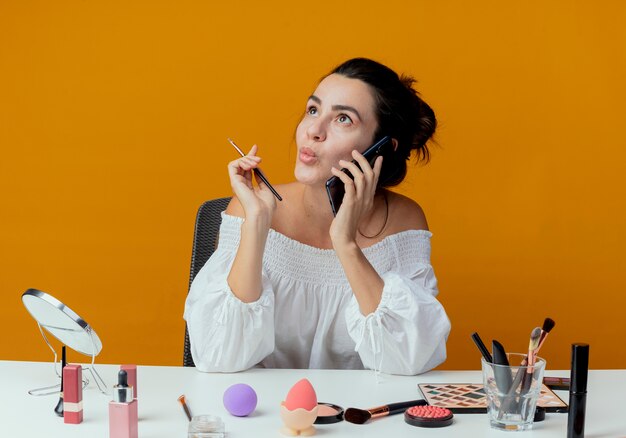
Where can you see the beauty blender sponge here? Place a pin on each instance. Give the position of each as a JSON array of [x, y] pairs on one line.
[[301, 395], [240, 400]]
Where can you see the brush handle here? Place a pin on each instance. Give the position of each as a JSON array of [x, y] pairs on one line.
[[481, 346], [400, 407]]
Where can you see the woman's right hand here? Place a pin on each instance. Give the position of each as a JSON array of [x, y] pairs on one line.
[[257, 202]]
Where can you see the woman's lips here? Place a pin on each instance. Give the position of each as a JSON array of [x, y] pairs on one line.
[[307, 156]]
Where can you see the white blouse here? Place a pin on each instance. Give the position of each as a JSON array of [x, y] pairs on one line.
[[307, 315]]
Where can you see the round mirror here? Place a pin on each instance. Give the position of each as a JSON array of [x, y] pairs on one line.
[[62, 322]]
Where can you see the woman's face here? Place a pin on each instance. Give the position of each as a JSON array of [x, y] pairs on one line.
[[339, 117]]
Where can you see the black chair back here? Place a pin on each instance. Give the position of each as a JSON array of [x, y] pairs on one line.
[[208, 221]]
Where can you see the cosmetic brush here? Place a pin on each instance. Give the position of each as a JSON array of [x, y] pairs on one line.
[[502, 374], [257, 171], [548, 325], [362, 416], [183, 403], [481, 346], [533, 346]]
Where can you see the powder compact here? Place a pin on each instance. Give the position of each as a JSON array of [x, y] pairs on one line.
[[428, 416], [328, 413]]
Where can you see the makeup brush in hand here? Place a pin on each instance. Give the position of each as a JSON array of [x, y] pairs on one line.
[[361, 416]]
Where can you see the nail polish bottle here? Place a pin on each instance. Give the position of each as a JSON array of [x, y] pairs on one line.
[[123, 419]]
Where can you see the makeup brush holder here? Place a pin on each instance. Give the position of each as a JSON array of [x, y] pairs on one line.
[[512, 392]]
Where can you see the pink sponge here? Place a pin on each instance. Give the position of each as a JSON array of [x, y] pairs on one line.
[[301, 395]]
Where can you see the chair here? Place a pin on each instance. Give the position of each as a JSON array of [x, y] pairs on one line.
[[208, 221]]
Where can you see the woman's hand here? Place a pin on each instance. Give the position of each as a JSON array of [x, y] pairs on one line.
[[358, 200], [257, 202]]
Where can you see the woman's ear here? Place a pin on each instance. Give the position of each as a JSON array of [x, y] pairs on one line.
[[394, 142]]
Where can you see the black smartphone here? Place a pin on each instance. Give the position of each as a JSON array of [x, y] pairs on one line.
[[335, 187]]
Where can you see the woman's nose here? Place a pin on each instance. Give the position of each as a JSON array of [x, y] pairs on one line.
[[316, 130]]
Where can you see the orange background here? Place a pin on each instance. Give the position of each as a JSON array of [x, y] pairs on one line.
[[114, 115]]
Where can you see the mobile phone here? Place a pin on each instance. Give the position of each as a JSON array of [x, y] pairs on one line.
[[335, 187]]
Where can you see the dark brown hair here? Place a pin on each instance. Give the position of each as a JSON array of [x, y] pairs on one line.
[[401, 114]]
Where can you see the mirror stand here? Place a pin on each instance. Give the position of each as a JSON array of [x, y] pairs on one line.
[[54, 389]]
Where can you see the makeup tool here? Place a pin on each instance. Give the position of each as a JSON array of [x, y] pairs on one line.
[[557, 383], [533, 347], [123, 420], [257, 171], [240, 400], [328, 413], [59, 407], [470, 398], [481, 346], [299, 410], [362, 416], [503, 376], [428, 416], [183, 403], [578, 391], [73, 394], [548, 325]]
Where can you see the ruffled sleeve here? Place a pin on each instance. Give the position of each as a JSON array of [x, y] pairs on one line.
[[226, 334], [407, 333]]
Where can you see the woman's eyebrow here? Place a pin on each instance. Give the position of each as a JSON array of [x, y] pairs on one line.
[[318, 101]]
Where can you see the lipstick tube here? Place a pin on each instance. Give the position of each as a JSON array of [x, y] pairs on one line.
[[123, 419], [72, 394], [578, 391]]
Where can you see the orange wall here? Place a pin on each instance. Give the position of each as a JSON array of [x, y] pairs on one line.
[[114, 114]]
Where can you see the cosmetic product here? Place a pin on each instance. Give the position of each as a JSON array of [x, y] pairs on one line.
[[183, 403], [240, 400], [72, 394], [502, 374], [206, 426], [481, 346], [299, 410], [59, 407], [258, 172], [131, 372], [557, 383], [470, 398], [361, 416], [533, 347], [123, 421], [578, 391], [328, 413], [428, 416]]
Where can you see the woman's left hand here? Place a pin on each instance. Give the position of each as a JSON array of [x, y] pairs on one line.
[[358, 199]]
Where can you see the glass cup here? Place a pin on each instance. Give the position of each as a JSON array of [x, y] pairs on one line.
[[512, 392], [206, 426]]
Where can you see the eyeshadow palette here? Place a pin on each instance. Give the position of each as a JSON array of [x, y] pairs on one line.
[[470, 398]]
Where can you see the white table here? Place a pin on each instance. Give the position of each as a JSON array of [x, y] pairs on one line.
[[22, 415]]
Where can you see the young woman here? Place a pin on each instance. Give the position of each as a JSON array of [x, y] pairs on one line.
[[293, 286]]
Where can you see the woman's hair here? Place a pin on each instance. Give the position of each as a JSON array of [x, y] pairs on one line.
[[401, 114]]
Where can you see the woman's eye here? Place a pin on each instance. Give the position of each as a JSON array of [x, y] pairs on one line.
[[343, 118]]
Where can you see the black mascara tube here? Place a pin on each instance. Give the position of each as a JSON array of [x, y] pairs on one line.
[[578, 391]]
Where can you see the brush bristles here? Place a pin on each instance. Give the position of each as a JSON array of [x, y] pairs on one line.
[[357, 416], [548, 324], [534, 339]]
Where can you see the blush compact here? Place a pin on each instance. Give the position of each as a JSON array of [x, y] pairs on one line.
[[328, 413], [428, 416]]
